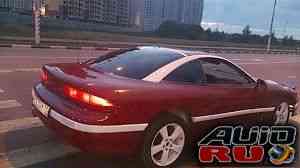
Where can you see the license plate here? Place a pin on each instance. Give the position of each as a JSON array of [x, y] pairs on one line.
[[40, 105]]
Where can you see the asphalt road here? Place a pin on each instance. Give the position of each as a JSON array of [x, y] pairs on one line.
[[25, 142]]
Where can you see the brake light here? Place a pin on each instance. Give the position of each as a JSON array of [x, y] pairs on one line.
[[44, 75], [99, 101], [86, 97]]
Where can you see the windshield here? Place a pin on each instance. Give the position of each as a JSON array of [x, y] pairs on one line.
[[137, 63]]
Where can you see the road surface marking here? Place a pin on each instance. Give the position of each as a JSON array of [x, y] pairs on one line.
[[35, 154], [28, 69], [292, 77], [45, 57], [236, 59], [21, 46], [1, 91], [19, 124], [5, 104], [20, 70], [258, 60], [47, 151], [257, 63], [5, 71], [58, 47]]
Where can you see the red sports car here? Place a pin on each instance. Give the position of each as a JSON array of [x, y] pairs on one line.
[[153, 101]]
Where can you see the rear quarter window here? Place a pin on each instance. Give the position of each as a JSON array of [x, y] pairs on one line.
[[138, 63]]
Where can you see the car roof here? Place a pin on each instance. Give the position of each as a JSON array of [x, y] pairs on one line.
[[182, 52], [187, 56]]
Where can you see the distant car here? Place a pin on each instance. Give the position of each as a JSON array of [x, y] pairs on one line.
[[153, 101]]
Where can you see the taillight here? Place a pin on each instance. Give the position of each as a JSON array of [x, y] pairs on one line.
[[44, 75], [86, 98]]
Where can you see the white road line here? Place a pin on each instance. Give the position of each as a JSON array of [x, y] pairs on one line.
[[258, 60], [5, 71], [44, 57], [279, 62], [58, 47], [38, 153], [292, 77], [20, 70], [35, 154], [21, 46], [1, 91], [28, 69], [5, 104], [32, 154], [19, 124]]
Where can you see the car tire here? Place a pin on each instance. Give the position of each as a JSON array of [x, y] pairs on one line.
[[282, 114], [166, 141]]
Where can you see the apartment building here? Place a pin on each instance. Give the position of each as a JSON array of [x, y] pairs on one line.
[[16, 5], [181, 11], [116, 12], [104, 11], [136, 12], [74, 9], [95, 10]]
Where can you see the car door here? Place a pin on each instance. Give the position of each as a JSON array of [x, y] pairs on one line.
[[236, 101], [190, 94]]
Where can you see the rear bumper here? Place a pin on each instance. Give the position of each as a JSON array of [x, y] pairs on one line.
[[96, 128], [105, 139]]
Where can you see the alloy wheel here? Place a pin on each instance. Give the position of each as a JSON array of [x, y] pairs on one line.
[[282, 114], [167, 144]]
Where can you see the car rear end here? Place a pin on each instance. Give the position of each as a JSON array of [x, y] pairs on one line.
[[67, 103], [93, 105]]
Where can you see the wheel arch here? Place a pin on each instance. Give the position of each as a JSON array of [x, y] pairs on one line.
[[181, 114]]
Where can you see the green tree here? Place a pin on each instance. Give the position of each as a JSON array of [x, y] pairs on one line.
[[172, 29], [247, 31], [246, 34], [288, 41]]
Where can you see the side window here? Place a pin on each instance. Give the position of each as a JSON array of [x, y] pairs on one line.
[[190, 72], [221, 72]]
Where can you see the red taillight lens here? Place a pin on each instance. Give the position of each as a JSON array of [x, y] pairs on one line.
[[44, 75], [86, 97], [94, 100]]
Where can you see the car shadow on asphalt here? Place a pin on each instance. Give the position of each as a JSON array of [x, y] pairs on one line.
[[81, 160]]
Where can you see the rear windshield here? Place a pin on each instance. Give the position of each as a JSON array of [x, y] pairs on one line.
[[136, 63]]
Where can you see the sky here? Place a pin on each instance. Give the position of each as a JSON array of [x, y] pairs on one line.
[[233, 15]]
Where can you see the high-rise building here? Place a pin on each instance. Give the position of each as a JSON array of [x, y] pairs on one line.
[[192, 11], [136, 12], [53, 8], [74, 9], [116, 12], [95, 10], [181, 11], [123, 12], [16, 5], [105, 11]]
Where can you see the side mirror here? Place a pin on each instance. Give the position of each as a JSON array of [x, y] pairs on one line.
[[260, 84]]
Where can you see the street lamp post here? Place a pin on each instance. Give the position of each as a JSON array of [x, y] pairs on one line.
[[271, 27], [36, 17]]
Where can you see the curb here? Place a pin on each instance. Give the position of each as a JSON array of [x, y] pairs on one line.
[[55, 47]]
